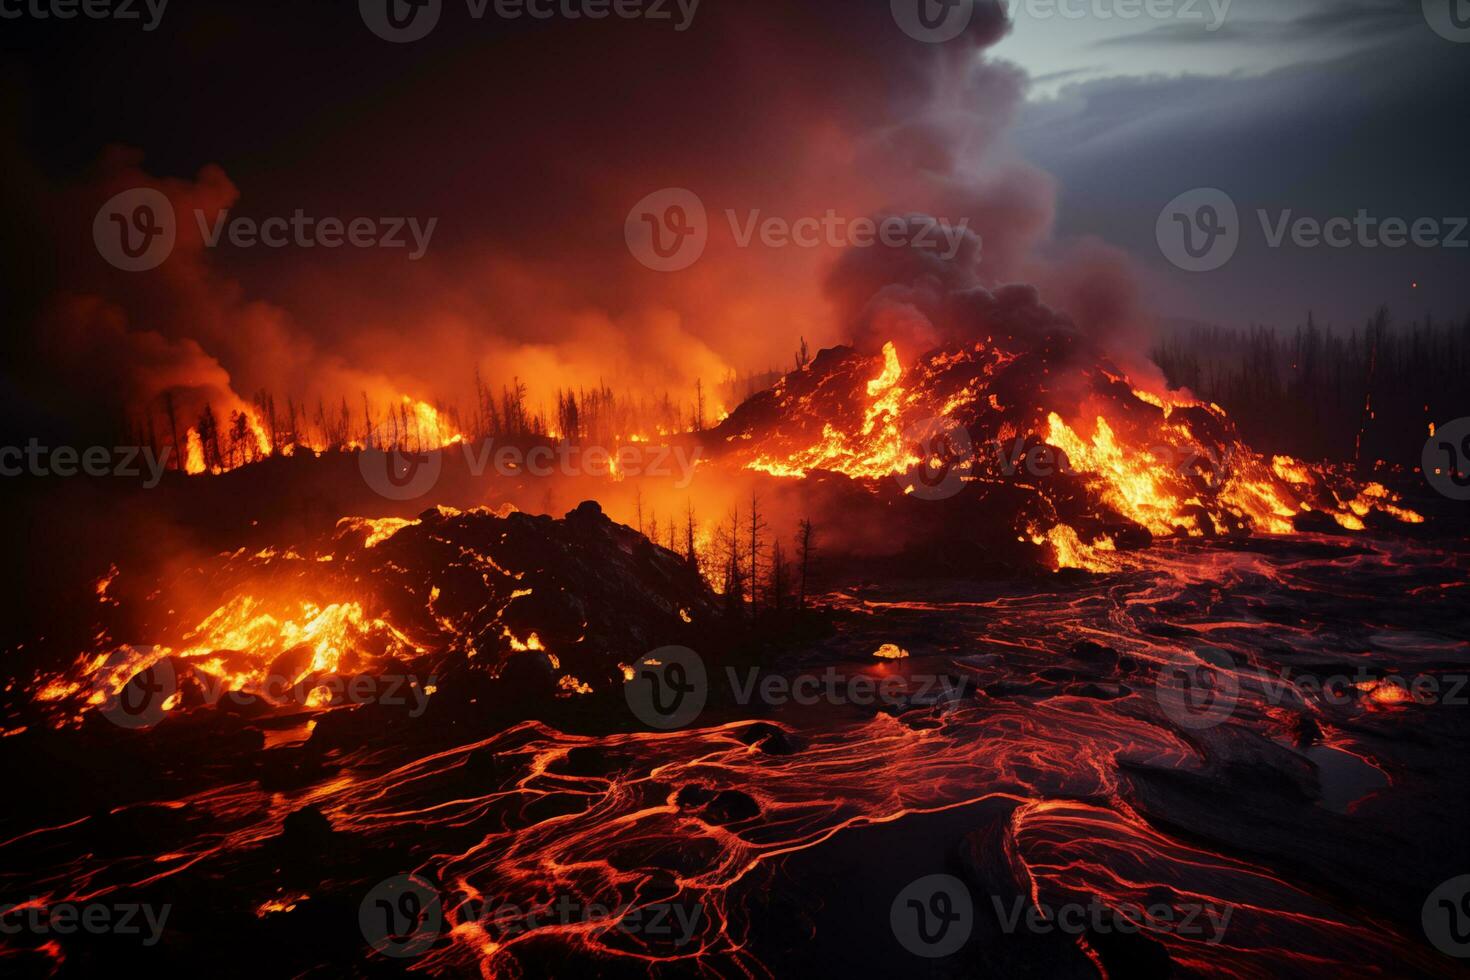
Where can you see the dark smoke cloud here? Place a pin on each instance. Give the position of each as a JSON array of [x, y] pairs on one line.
[[529, 142]]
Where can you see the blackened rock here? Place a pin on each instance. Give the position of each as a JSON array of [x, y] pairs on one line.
[[1316, 522], [693, 796], [1095, 655], [1131, 954], [768, 738], [490, 768], [731, 806], [307, 830], [592, 760]]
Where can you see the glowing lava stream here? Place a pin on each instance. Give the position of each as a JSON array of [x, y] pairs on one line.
[[1165, 462], [533, 825]]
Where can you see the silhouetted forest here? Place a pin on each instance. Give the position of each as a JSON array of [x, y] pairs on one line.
[[1364, 395]]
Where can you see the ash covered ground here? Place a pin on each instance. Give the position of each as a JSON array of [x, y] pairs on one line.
[[1266, 736]]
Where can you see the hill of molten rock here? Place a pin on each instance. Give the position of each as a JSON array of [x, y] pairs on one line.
[[1039, 440], [476, 606]]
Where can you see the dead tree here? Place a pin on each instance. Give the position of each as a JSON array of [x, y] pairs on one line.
[[780, 579], [757, 525], [689, 554], [805, 547]]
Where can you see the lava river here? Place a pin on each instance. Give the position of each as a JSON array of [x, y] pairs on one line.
[[1042, 741]]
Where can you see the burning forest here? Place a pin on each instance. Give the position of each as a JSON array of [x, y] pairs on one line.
[[477, 520]]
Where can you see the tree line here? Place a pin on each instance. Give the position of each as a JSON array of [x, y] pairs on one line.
[[1367, 395], [742, 560]]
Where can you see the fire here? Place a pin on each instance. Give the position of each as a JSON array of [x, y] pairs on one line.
[[248, 645], [1070, 551], [434, 429], [1165, 462], [422, 428], [878, 451]]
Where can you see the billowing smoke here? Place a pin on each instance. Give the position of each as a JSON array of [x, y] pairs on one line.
[[780, 111]]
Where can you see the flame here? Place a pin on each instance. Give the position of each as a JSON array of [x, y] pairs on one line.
[[880, 451], [431, 430], [1166, 462]]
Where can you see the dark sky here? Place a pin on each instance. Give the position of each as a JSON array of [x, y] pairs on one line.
[[529, 141], [1361, 107]]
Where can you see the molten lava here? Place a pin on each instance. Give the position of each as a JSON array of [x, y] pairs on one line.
[[1056, 421]]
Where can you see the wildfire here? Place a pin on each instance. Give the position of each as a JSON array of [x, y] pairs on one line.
[[877, 450], [416, 425], [249, 645], [1164, 462]]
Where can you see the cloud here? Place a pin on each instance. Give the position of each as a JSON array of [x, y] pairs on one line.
[[1322, 138]]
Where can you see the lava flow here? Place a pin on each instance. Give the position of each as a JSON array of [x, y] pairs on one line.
[[1053, 748], [1102, 461]]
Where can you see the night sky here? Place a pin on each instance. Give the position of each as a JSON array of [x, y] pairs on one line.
[[1059, 140]]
